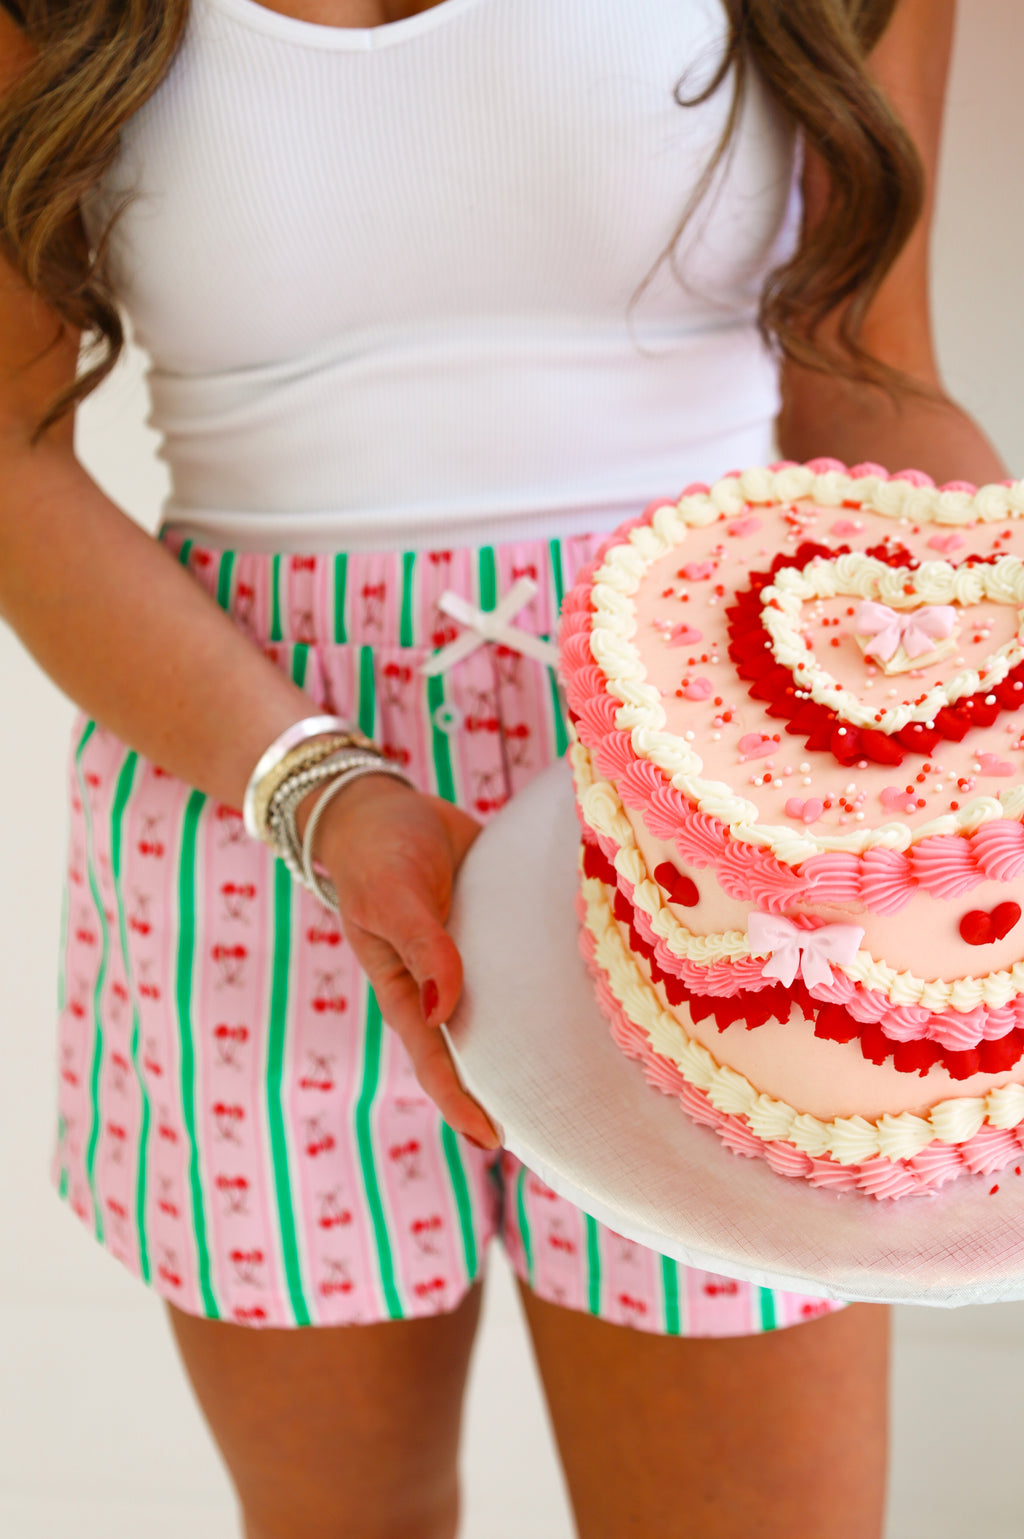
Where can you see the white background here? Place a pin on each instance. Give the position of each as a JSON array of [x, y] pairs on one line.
[[98, 1434]]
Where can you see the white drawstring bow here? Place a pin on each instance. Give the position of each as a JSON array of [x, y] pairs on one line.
[[484, 625]]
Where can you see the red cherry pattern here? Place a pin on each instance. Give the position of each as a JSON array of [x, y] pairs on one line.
[[680, 889], [979, 928]]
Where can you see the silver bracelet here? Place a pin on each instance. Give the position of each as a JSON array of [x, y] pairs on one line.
[[314, 882], [341, 767], [281, 830], [291, 737]]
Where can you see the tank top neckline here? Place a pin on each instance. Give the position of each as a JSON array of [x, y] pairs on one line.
[[314, 34]]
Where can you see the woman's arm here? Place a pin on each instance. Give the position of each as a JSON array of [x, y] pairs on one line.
[[129, 636], [827, 416]]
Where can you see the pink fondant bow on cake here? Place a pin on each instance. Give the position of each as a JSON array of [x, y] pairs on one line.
[[917, 630], [807, 952]]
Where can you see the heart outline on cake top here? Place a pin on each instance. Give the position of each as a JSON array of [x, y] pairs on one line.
[[750, 649], [859, 575]]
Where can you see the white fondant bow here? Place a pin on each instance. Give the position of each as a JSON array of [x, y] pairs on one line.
[[490, 625], [917, 630], [807, 952]]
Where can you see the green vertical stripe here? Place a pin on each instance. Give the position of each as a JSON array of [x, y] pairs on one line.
[[460, 1186], [555, 551], [125, 781], [276, 632], [277, 1029], [184, 968], [670, 1292], [371, 1184], [767, 1309], [593, 1267], [524, 1224], [406, 637], [340, 581], [225, 572], [300, 662], [557, 714], [367, 715], [488, 577], [557, 702], [444, 779], [97, 1052], [185, 552], [277, 1036]]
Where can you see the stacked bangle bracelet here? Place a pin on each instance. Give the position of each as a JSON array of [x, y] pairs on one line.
[[319, 750]]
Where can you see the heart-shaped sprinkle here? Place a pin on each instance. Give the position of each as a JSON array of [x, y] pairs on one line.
[[697, 689], [754, 745], [741, 526], [979, 928], [845, 526], [991, 764], [697, 571], [808, 811], [678, 888], [684, 636], [945, 543], [897, 799]]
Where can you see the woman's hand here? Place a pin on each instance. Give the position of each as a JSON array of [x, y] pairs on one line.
[[393, 854]]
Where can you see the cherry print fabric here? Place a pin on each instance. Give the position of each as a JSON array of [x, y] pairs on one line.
[[236, 1124]]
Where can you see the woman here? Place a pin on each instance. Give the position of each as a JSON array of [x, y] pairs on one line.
[[389, 269]]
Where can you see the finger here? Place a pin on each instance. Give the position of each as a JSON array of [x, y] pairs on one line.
[[400, 1001], [439, 1078], [412, 929]]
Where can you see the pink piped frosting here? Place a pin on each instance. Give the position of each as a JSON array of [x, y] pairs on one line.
[[614, 756], [998, 849], [943, 866]]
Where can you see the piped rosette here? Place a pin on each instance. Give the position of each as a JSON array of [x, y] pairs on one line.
[[849, 949]]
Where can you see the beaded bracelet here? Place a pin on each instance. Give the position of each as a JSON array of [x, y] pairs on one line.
[[304, 742], [344, 765]]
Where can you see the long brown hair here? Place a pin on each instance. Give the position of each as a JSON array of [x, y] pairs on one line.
[[96, 61]]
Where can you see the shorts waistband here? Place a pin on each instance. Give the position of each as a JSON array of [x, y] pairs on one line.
[[389, 598]]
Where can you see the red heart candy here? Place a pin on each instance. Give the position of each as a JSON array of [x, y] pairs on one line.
[[1004, 917], [680, 889], [980, 929]]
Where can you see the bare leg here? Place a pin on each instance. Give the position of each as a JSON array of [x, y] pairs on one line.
[[780, 1436], [347, 1432]]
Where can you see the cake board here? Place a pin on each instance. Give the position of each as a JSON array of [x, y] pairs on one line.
[[532, 1045]]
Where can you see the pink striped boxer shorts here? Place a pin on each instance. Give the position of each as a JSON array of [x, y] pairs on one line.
[[236, 1125]]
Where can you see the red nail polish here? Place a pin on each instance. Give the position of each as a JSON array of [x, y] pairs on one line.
[[428, 998]]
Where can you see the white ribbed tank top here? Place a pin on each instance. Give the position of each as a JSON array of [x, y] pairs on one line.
[[384, 275]]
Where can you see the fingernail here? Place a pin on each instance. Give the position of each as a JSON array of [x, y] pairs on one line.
[[428, 998], [477, 1144]]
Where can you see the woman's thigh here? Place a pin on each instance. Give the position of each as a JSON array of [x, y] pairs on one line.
[[742, 1437], [344, 1432]]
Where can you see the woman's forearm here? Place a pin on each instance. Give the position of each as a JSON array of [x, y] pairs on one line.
[[124, 631]]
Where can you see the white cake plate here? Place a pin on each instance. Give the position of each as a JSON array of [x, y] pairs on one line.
[[533, 1047]]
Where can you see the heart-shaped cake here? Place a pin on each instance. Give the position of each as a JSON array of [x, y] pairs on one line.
[[799, 766]]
